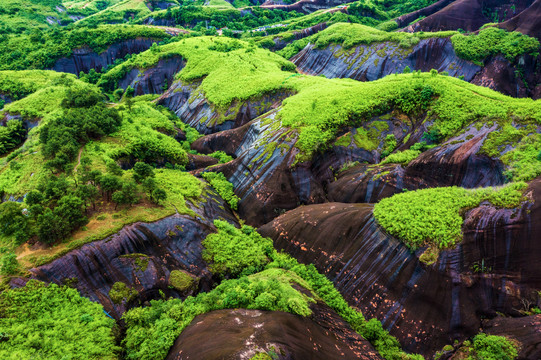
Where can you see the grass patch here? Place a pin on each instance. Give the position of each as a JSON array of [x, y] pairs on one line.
[[435, 216]]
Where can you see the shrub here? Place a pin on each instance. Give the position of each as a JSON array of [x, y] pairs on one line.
[[434, 216], [73, 326], [224, 188]]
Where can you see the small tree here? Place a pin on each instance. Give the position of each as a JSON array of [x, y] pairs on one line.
[[142, 171], [158, 195], [406, 70], [109, 184], [128, 194]]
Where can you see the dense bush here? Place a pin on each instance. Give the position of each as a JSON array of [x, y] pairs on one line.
[[46, 47], [11, 135], [53, 322], [224, 188], [493, 41], [434, 216], [151, 331], [233, 251]]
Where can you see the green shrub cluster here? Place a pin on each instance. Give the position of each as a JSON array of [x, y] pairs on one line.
[[41, 49], [435, 216], [152, 330], [493, 41], [401, 157], [224, 188], [233, 251], [53, 322], [350, 35]]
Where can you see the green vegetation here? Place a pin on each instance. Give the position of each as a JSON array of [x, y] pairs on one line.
[[434, 216], [152, 330], [53, 322], [350, 35], [121, 292], [181, 280], [401, 157], [493, 41], [525, 160], [224, 188], [233, 251], [41, 49], [487, 347]]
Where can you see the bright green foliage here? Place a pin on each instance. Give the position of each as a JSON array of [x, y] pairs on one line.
[[232, 69], [181, 280], [52, 322], [492, 347], [401, 157], [233, 251], [121, 292], [18, 16], [221, 156], [9, 264], [525, 160], [118, 13], [434, 216], [151, 331], [322, 107], [493, 41], [52, 45], [350, 35], [224, 188]]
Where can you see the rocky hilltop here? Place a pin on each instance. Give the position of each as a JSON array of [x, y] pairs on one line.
[[285, 180]]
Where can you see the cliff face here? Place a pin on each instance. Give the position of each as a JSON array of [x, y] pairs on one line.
[[141, 256], [470, 15], [240, 334], [84, 59], [192, 108], [154, 80], [371, 62], [425, 307], [307, 6]]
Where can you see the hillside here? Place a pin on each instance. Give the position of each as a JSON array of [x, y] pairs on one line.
[[270, 180]]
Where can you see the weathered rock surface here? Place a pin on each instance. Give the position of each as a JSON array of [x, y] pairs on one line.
[[470, 15], [425, 307], [307, 6], [142, 256], [154, 80], [372, 62], [84, 59], [194, 109], [527, 21], [240, 334], [526, 330]]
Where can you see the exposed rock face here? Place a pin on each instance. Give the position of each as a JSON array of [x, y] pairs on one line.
[[85, 59], [300, 34], [193, 108], [238, 334], [154, 80], [527, 22], [425, 307], [470, 15], [427, 11], [142, 256], [307, 6], [371, 62], [526, 330]]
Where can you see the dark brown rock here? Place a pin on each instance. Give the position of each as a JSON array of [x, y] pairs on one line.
[[84, 59], [142, 256], [238, 334], [526, 330], [425, 307]]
